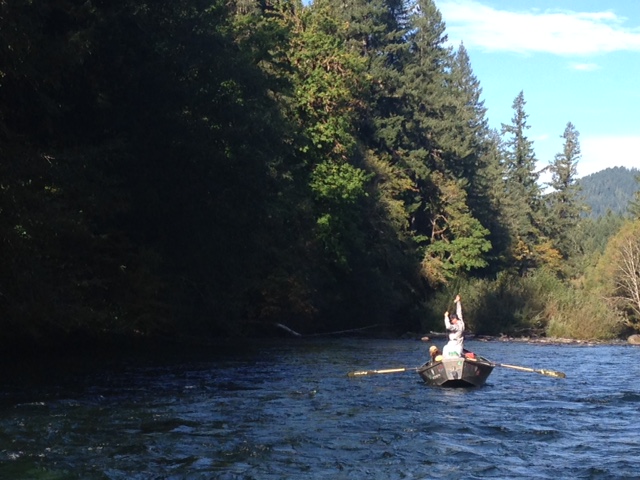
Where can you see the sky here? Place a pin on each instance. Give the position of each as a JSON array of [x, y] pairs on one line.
[[575, 61]]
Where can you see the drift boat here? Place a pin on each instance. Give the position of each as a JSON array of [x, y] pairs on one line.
[[469, 371], [456, 372]]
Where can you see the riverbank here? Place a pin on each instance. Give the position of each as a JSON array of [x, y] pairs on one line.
[[632, 340]]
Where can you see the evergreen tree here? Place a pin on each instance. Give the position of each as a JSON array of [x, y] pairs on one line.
[[563, 204], [468, 138], [477, 153], [444, 133], [521, 191], [492, 204], [358, 242]]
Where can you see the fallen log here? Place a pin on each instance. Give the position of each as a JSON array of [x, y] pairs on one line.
[[339, 332]]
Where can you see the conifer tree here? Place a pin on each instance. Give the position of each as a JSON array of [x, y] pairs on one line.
[[376, 30], [426, 86], [493, 205], [357, 243], [468, 139], [442, 147], [521, 191], [476, 151], [563, 204]]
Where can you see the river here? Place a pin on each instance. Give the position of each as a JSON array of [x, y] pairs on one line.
[[288, 410]]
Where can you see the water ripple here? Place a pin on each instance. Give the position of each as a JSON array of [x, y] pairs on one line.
[[288, 410]]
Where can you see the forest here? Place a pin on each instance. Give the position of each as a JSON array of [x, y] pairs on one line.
[[609, 190], [207, 169]]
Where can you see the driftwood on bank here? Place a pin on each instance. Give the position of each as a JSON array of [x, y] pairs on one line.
[[339, 332], [287, 329], [467, 336]]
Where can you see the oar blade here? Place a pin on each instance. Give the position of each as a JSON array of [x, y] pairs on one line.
[[552, 373]]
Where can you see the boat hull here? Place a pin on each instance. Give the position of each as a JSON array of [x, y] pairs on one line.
[[456, 372]]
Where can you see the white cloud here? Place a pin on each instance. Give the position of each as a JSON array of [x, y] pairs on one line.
[[584, 67], [560, 32], [600, 152]]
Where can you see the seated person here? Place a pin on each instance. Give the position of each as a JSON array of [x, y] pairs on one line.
[[435, 354]]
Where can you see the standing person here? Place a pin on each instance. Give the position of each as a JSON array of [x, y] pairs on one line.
[[455, 326]]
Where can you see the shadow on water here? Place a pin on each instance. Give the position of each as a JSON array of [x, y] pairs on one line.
[[287, 409]]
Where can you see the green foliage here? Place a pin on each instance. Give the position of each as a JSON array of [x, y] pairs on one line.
[[328, 81], [337, 188], [535, 305], [514, 305], [616, 277], [338, 184], [354, 252], [140, 167], [213, 167], [581, 315], [507, 305], [458, 241]]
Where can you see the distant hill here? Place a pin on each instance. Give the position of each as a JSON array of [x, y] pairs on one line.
[[609, 189]]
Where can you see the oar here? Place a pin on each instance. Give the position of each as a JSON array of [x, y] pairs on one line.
[[548, 373], [362, 373]]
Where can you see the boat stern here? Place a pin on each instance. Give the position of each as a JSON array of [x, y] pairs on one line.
[[455, 372]]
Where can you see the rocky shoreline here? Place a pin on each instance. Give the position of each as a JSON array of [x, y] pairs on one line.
[[632, 340]]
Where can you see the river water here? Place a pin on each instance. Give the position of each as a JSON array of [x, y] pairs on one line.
[[288, 410]]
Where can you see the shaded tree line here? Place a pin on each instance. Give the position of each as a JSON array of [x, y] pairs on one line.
[[610, 189], [208, 168]]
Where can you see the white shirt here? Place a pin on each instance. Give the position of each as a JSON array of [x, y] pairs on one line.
[[456, 335]]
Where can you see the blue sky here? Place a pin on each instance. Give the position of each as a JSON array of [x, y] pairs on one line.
[[576, 61]]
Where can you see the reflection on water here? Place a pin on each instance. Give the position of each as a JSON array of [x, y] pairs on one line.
[[288, 410]]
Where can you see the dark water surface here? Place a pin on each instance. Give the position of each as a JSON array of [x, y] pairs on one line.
[[287, 409]]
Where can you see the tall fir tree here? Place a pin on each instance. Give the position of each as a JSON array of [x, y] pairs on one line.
[[476, 147], [563, 204], [493, 207], [443, 134], [468, 139], [522, 194]]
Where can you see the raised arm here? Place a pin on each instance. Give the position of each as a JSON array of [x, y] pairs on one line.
[[458, 307], [447, 322]]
